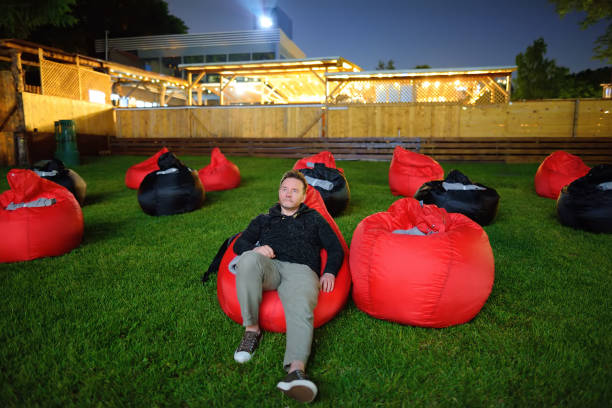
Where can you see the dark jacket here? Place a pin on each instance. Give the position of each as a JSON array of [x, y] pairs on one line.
[[298, 238]]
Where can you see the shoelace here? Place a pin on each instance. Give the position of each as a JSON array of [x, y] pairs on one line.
[[248, 342], [300, 375]]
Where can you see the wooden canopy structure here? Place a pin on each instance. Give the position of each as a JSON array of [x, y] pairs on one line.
[[75, 76], [334, 80], [286, 81], [467, 86]]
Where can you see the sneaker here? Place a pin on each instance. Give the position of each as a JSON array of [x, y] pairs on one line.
[[247, 346], [297, 386]]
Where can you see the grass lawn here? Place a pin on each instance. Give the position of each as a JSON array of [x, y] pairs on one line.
[[123, 320]]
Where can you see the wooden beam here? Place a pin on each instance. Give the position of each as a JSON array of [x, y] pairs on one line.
[[338, 88], [274, 90], [198, 78], [228, 82], [508, 88], [8, 117], [41, 58], [213, 90], [23, 62], [189, 87], [305, 132], [323, 81], [162, 95], [496, 85], [20, 142], [135, 88]]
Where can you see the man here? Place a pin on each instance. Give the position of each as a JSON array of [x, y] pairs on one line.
[[281, 251]]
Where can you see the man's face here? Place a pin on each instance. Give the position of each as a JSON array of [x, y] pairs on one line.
[[291, 194]]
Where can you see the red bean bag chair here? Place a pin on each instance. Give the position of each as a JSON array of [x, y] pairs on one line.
[[137, 173], [38, 218], [409, 170], [324, 157], [271, 314], [220, 174], [556, 171], [421, 266]]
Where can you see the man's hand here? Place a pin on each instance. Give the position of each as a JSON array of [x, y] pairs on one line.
[[327, 282], [265, 250]]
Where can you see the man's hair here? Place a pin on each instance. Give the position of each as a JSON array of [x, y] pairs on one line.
[[296, 175]]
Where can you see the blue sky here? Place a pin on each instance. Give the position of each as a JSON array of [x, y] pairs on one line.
[[442, 34]]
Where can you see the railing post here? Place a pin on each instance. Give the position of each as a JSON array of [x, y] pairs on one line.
[[575, 120]]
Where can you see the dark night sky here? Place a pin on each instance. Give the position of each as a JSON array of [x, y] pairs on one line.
[[442, 34]]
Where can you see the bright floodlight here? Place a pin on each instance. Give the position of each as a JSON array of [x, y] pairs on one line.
[[265, 22]]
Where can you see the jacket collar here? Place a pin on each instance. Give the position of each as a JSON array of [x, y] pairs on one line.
[[275, 211]]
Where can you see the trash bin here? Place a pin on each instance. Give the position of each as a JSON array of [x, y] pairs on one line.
[[66, 142]]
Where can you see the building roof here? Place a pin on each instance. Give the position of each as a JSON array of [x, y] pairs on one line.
[[115, 70], [279, 66], [408, 73], [174, 41]]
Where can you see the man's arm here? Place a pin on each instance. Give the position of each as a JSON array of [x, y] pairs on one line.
[[331, 243], [249, 237]]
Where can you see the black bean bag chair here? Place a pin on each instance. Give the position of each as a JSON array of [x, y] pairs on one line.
[[332, 186], [457, 194], [54, 170], [173, 189], [586, 203]]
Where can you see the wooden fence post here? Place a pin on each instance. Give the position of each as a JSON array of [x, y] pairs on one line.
[[21, 146]]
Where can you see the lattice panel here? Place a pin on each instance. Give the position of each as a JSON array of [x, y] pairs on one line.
[[463, 91], [70, 81], [59, 79], [95, 81]]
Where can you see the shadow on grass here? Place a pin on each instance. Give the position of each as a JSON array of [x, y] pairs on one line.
[[100, 231], [92, 199]]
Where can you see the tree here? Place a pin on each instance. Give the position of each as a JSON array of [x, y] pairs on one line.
[[538, 77], [422, 66], [596, 10], [381, 65], [586, 84], [18, 18], [122, 18]]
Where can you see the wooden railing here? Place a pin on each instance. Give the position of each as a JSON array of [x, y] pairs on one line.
[[591, 150], [345, 148]]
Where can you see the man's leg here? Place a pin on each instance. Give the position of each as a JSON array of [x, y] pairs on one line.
[[254, 273], [299, 292]]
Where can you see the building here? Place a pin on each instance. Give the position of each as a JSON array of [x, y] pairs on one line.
[[270, 39]]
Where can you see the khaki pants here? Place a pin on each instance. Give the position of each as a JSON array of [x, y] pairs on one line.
[[298, 288]]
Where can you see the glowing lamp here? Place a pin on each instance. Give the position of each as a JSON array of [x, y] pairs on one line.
[[265, 22]]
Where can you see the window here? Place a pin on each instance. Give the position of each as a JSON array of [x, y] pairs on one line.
[[240, 57], [193, 59], [263, 56], [212, 78], [216, 58], [152, 64], [170, 66]]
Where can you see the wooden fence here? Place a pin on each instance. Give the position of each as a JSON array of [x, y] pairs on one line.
[[551, 118], [94, 122], [519, 131], [207, 122], [41, 112]]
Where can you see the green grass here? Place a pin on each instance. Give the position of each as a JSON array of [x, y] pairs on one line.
[[123, 320]]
